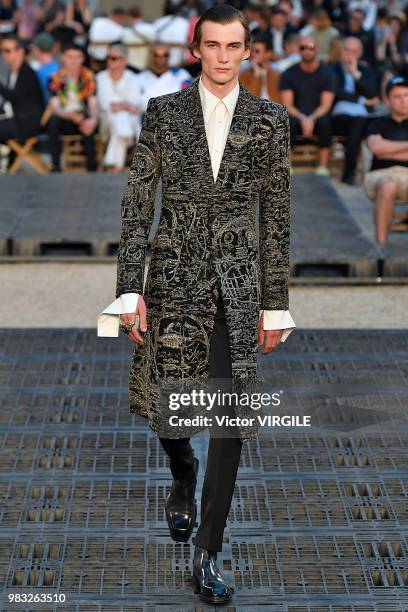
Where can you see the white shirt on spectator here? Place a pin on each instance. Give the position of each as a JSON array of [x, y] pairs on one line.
[[120, 125], [217, 113], [103, 29], [172, 29], [140, 32], [153, 85]]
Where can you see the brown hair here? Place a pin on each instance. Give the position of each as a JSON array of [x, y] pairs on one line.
[[223, 13]]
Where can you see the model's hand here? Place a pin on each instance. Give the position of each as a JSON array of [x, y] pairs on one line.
[[268, 339], [130, 317]]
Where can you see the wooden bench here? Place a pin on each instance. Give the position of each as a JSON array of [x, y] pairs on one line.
[[24, 152], [305, 155], [73, 154]]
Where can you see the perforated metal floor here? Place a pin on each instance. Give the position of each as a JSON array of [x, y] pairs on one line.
[[318, 521]]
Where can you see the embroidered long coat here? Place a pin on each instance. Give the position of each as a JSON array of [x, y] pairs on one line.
[[206, 241]]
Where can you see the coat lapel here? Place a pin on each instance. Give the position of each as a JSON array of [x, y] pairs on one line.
[[238, 135]]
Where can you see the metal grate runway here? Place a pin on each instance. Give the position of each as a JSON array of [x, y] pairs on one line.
[[318, 521]]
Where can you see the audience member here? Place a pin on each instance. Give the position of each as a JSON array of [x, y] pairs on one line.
[[307, 90], [355, 86], [260, 79], [172, 29], [279, 28], [291, 53], [320, 27], [51, 14], [387, 180], [8, 16], [78, 15], [106, 30], [24, 103], [355, 28], [118, 94], [27, 20], [160, 78], [42, 51], [138, 31], [74, 106], [262, 17]]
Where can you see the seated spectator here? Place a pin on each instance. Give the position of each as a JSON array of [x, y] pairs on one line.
[[8, 16], [355, 28], [24, 102], [251, 12], [320, 27], [42, 50], [51, 14], [27, 20], [138, 31], [262, 18], [291, 53], [369, 7], [106, 30], [355, 86], [74, 106], [337, 10], [118, 95], [395, 51], [279, 28], [78, 15], [307, 90], [294, 10], [159, 78], [173, 28], [387, 180], [261, 79]]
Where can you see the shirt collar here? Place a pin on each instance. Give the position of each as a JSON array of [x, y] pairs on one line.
[[209, 100]]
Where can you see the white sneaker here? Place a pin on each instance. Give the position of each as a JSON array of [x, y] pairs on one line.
[[322, 171]]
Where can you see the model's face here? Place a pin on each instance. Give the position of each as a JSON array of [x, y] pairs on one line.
[[222, 49], [398, 101]]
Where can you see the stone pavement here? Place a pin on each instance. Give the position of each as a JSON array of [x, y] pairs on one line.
[[319, 517]]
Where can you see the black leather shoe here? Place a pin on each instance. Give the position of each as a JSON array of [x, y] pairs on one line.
[[208, 581], [181, 507]]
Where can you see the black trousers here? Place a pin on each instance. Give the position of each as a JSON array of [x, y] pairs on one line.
[[322, 129], [353, 128], [223, 453], [57, 127]]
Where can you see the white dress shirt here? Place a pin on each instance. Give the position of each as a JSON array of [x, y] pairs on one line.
[[217, 113]]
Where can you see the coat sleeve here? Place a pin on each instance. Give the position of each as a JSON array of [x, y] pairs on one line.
[[138, 205], [274, 220]]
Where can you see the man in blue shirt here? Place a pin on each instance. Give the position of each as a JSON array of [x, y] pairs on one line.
[[43, 46]]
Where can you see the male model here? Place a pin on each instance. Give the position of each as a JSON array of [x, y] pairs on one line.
[[211, 293]]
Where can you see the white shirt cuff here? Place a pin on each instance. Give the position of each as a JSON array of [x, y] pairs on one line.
[[108, 320], [278, 319]]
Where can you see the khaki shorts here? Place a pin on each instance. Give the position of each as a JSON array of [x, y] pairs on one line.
[[399, 174]]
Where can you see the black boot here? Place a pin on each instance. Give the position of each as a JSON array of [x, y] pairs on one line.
[[181, 507], [207, 579]]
